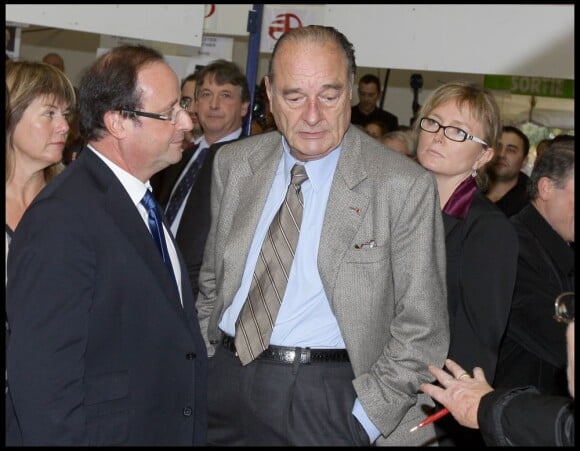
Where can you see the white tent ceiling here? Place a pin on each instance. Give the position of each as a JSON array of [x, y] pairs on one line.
[[547, 112]]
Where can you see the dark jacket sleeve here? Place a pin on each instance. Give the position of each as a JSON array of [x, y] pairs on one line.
[[524, 417]]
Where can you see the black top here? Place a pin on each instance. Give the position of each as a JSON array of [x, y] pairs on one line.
[[482, 252], [516, 198], [524, 417], [482, 255], [390, 120], [533, 352]]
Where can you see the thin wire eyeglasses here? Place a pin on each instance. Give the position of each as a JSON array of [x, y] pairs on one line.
[[564, 307], [183, 105], [185, 102], [453, 133]]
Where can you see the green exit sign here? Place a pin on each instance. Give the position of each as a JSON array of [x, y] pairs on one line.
[[531, 86]]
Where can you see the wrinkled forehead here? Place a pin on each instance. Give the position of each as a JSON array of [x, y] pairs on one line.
[[312, 58]]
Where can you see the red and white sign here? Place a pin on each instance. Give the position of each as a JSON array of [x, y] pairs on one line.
[[277, 19]]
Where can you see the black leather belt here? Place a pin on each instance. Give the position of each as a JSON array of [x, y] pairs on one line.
[[285, 354]]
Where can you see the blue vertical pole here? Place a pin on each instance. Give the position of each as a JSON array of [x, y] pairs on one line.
[[255, 30]]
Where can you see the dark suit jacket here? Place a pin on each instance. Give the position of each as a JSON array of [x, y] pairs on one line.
[[101, 350], [481, 271], [482, 252], [534, 349], [524, 417], [196, 219]]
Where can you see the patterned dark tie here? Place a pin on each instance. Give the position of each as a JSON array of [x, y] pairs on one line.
[[156, 229], [184, 186], [258, 315]]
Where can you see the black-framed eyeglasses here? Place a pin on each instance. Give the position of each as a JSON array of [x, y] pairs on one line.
[[564, 307], [453, 133], [162, 117]]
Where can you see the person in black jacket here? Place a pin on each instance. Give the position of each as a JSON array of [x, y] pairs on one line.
[[519, 416], [533, 350], [455, 142], [105, 345]]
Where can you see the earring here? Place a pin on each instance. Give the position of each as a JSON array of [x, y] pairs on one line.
[[473, 173]]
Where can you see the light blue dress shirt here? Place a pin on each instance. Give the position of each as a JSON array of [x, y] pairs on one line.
[[305, 318]]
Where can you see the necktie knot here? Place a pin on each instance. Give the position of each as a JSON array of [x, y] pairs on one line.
[[148, 201], [299, 176]]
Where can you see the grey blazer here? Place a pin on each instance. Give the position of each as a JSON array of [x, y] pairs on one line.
[[389, 300]]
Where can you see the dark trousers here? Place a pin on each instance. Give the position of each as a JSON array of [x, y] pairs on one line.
[[268, 403]]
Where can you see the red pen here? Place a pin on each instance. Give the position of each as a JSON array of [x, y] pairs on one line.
[[430, 419]]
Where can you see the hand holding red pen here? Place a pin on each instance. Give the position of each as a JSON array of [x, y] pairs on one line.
[[459, 393]]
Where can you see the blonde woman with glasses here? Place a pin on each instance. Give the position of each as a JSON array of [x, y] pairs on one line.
[[458, 129]]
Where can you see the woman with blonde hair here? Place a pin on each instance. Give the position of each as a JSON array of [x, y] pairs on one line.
[[39, 99], [40, 102], [457, 129]]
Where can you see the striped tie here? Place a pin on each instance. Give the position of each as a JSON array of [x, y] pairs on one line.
[[258, 315]]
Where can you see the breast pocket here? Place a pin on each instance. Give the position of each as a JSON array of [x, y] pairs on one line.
[[366, 254]]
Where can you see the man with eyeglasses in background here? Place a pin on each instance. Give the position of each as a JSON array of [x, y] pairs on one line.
[[105, 345], [222, 101], [193, 136]]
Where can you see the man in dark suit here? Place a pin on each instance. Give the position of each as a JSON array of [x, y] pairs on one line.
[[105, 346], [222, 102], [369, 91], [365, 308], [533, 351]]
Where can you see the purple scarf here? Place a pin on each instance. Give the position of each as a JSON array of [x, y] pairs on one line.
[[459, 202]]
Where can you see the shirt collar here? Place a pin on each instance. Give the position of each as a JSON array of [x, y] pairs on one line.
[[319, 171], [134, 187], [234, 135]]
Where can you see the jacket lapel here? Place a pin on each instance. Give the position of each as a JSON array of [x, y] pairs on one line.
[[120, 207], [251, 190], [347, 203]]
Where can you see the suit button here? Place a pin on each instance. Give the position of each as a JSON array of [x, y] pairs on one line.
[[190, 355], [187, 411]]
